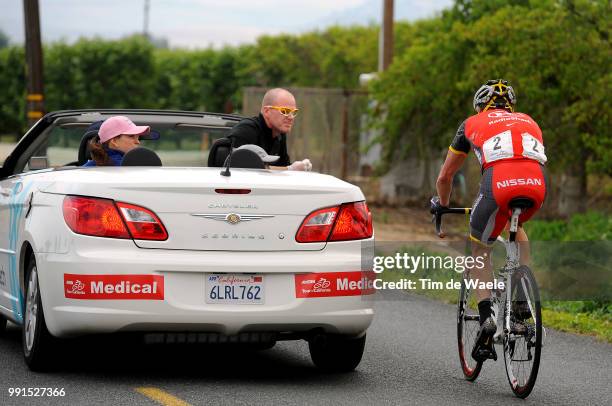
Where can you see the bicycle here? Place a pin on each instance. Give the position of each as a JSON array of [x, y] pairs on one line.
[[519, 331]]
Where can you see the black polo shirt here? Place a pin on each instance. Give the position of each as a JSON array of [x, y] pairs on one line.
[[254, 130]]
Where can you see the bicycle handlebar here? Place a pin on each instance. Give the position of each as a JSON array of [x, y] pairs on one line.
[[437, 216]]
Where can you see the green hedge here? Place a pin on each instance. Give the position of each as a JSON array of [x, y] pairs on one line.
[[131, 73], [591, 226]]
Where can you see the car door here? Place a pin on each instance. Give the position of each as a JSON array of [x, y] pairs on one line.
[[5, 192], [11, 204]]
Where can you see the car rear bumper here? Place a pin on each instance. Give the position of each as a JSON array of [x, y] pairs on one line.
[[183, 307]]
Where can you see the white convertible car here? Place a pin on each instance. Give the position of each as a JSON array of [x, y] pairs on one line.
[[181, 252]]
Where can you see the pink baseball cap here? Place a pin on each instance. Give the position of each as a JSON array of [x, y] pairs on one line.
[[117, 125]]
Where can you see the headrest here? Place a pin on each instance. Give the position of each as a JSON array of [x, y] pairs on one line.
[[219, 150], [141, 157], [92, 131], [245, 158]]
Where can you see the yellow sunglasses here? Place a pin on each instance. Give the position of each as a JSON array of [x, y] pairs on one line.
[[285, 111]]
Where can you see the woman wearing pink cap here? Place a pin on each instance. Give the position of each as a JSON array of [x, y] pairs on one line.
[[117, 136]]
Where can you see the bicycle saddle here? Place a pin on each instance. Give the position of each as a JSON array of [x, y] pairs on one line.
[[521, 203]]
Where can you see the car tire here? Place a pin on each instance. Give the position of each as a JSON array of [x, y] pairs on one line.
[[2, 324], [37, 342], [263, 346], [336, 353]]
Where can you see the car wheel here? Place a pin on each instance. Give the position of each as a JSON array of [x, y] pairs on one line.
[[2, 324], [336, 353], [36, 339]]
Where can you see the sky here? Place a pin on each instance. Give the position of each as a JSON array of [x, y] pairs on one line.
[[201, 23]]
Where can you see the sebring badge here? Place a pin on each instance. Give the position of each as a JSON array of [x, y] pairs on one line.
[[232, 218]]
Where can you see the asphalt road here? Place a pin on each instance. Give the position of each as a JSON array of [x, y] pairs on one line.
[[410, 358]]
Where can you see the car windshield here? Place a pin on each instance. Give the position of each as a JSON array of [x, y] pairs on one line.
[[180, 144]]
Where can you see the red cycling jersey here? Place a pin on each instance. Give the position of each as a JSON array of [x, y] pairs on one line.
[[498, 135]]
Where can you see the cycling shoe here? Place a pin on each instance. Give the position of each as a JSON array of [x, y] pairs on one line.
[[483, 348]]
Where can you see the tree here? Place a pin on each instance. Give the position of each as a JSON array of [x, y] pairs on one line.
[[4, 40]]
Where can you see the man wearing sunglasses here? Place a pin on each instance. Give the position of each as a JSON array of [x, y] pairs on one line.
[[269, 129]]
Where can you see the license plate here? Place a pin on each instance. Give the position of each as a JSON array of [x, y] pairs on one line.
[[234, 289]]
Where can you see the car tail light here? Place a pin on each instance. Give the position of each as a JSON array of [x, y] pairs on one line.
[[93, 216], [233, 191], [349, 221], [353, 223], [101, 218], [317, 225], [142, 223]]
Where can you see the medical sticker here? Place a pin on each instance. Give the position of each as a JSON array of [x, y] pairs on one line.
[[117, 287]]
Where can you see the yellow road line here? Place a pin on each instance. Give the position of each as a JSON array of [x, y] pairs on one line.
[[161, 397]]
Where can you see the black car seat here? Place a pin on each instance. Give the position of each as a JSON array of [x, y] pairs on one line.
[[219, 151], [84, 153], [141, 156]]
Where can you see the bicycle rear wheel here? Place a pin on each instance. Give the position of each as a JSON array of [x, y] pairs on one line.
[[468, 324], [523, 343]]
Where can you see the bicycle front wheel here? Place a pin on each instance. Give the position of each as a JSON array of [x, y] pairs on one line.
[[523, 342], [468, 325]]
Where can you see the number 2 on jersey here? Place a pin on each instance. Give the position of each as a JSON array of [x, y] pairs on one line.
[[498, 147], [533, 148]]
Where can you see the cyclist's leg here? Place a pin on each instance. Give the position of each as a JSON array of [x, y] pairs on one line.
[[481, 273], [486, 222], [487, 308]]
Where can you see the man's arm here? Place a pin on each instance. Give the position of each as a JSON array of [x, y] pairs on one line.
[[283, 161], [445, 180], [455, 157]]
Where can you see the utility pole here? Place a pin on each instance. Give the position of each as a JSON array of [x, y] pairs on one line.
[[145, 28], [385, 40], [34, 58], [345, 134]]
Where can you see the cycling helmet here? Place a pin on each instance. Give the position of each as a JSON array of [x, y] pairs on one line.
[[496, 93]]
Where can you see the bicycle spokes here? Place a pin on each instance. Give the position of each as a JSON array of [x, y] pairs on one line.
[[523, 340], [468, 324]]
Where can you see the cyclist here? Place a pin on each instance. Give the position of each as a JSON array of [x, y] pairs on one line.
[[510, 150]]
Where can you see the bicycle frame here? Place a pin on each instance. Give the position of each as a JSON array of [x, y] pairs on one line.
[[512, 263]]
